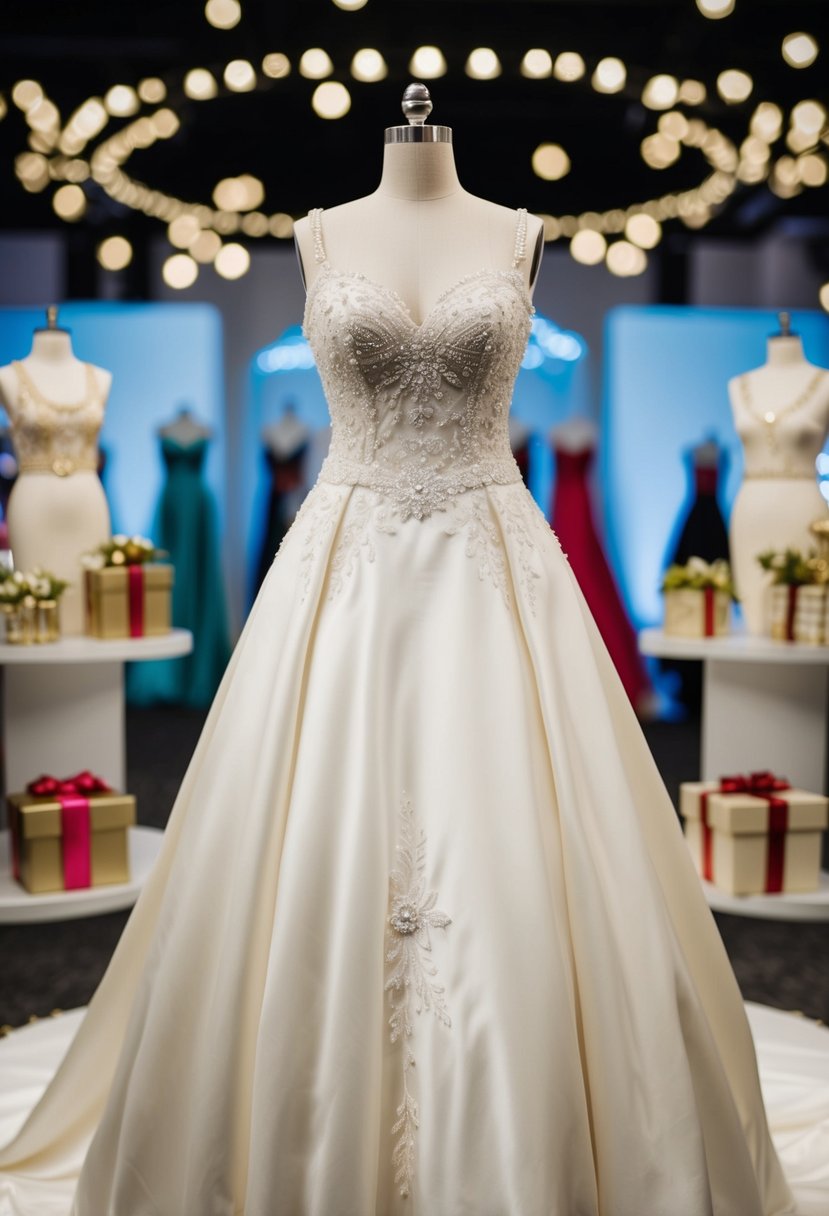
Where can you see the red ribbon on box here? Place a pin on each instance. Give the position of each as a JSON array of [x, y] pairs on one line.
[[135, 573], [762, 784], [708, 592], [73, 795]]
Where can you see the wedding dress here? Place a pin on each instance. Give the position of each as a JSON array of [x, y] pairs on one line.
[[423, 936]]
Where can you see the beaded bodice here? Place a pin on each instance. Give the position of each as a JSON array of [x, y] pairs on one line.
[[419, 412], [786, 439], [53, 438]]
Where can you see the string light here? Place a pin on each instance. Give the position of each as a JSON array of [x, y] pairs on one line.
[[223, 14], [625, 259], [26, 93], [428, 63], [660, 92], [588, 247], [550, 162], [69, 202], [183, 230], [351, 6], [537, 64], [799, 50], [767, 121], [569, 66], [232, 261], [809, 117], [734, 86], [200, 84], [811, 169], [276, 65], [643, 230], [239, 76], [121, 101], [206, 245], [368, 65], [692, 92], [610, 76], [331, 99], [115, 253], [483, 64], [152, 90], [180, 271], [824, 296], [715, 10], [315, 63]]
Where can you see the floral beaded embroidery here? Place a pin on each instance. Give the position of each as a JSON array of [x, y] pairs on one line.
[[408, 944]]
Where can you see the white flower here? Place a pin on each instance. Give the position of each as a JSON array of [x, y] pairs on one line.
[[92, 561], [119, 539], [696, 565]]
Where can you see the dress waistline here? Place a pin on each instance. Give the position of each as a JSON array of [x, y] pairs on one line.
[[61, 466], [416, 488]]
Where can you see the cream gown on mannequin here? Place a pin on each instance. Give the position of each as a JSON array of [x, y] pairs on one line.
[[424, 936]]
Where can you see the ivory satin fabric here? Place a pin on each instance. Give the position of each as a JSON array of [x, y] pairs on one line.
[[396, 683]]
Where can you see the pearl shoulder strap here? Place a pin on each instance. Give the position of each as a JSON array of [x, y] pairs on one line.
[[315, 216], [520, 251]]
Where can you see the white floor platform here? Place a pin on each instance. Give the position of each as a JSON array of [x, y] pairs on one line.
[[793, 1053]]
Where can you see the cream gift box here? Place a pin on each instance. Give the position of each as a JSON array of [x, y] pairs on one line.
[[696, 613], [728, 833]]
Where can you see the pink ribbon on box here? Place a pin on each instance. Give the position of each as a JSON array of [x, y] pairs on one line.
[[73, 795], [135, 574]]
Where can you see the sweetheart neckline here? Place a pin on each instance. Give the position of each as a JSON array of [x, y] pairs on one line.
[[326, 270]]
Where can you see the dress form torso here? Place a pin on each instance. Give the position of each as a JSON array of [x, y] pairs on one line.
[[419, 232], [57, 508], [781, 413]]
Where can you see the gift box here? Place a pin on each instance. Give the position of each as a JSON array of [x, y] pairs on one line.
[[752, 835], [798, 612], [129, 601], [68, 834], [697, 613]]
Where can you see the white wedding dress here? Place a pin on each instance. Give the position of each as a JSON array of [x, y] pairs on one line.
[[424, 936]]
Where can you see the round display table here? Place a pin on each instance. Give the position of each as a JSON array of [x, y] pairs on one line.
[[764, 706], [18, 906], [63, 711], [63, 704]]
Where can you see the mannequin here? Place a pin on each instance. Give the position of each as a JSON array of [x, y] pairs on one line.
[[57, 507], [284, 436], [185, 428], [781, 413], [420, 231]]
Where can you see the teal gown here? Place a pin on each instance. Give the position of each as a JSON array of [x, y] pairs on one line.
[[186, 526]]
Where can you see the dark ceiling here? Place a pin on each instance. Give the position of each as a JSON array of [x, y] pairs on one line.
[[79, 49]]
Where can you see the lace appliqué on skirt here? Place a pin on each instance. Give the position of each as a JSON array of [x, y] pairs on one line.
[[408, 944]]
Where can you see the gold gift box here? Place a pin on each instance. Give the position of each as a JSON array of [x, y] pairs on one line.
[[739, 824], [685, 613], [108, 600], [36, 823]]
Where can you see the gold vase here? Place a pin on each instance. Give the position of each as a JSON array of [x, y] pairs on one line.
[[21, 621], [47, 621]]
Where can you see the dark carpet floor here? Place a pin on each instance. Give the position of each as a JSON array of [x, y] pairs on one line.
[[52, 966]]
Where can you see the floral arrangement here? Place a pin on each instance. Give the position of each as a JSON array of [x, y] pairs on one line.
[[793, 568], [121, 551], [17, 585], [698, 574]]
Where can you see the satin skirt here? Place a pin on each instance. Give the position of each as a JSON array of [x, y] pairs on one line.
[[423, 935]]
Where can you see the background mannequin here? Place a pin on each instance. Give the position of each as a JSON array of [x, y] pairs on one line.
[[285, 443], [185, 427], [781, 413], [420, 231], [57, 507]]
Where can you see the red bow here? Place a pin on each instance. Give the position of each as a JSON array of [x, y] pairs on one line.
[[84, 783], [760, 784]]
